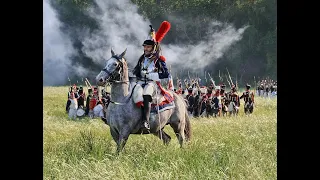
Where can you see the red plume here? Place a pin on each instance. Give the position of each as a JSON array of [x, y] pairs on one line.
[[162, 31]]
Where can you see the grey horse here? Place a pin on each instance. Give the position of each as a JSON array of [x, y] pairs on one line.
[[124, 117]]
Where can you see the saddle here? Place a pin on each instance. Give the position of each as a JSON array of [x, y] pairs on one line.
[[164, 98]]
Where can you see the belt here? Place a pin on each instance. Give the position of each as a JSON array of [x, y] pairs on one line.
[[145, 80]]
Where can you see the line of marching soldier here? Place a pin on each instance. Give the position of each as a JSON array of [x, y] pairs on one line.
[[267, 88], [214, 100], [80, 105]]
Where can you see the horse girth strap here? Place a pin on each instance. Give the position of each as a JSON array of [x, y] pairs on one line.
[[114, 81], [117, 103]]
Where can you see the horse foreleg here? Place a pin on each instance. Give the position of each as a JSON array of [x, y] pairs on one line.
[[115, 136], [120, 145], [122, 140], [165, 137]]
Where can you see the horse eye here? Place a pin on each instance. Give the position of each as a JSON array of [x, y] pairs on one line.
[[115, 64]]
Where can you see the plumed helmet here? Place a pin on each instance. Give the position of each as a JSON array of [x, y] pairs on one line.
[[154, 38], [150, 40]]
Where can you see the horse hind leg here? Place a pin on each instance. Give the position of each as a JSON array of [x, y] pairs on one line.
[[179, 131], [165, 137]]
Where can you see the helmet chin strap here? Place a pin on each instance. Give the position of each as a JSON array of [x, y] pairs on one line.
[[148, 56]]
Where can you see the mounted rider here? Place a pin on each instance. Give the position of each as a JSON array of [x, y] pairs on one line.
[[151, 67]]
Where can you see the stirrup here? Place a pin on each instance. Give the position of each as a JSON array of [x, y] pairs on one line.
[[145, 125]]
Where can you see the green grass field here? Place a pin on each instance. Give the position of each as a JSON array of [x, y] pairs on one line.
[[242, 147]]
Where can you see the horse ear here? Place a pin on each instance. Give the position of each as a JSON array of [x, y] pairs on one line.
[[122, 54], [112, 52]]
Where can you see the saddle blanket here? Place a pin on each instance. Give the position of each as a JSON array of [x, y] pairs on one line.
[[162, 107]]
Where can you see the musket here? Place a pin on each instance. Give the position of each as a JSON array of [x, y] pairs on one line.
[[220, 77], [228, 81], [69, 81], [214, 86], [89, 83], [255, 84], [186, 84], [205, 76], [236, 81], [229, 76], [189, 77], [170, 79]]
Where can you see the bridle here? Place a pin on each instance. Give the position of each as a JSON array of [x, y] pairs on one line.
[[117, 72], [112, 78]]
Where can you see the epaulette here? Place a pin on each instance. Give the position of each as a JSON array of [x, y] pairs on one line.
[[162, 58]]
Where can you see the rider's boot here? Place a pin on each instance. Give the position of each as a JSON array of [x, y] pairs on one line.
[[146, 111]]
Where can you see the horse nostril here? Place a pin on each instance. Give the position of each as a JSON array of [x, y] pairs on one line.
[[101, 80]]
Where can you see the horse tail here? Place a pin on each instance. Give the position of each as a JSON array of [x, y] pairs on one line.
[[187, 129]]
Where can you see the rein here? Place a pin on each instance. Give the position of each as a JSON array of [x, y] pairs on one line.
[[111, 75], [118, 103]]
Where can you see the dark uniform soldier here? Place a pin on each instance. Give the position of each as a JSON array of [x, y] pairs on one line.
[[267, 89], [82, 97], [233, 97], [106, 98], [69, 92], [248, 100], [200, 102], [88, 100], [223, 97], [261, 88], [190, 99]]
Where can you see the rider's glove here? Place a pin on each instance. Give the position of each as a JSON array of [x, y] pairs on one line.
[[143, 73]]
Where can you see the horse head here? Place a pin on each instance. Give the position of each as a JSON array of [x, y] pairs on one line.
[[113, 69]]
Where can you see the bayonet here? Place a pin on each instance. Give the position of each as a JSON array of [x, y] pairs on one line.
[[229, 77]]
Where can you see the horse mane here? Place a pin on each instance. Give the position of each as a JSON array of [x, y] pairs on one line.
[[125, 74]]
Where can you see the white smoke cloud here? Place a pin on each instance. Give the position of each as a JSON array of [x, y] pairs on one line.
[[122, 27], [57, 50], [206, 51]]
